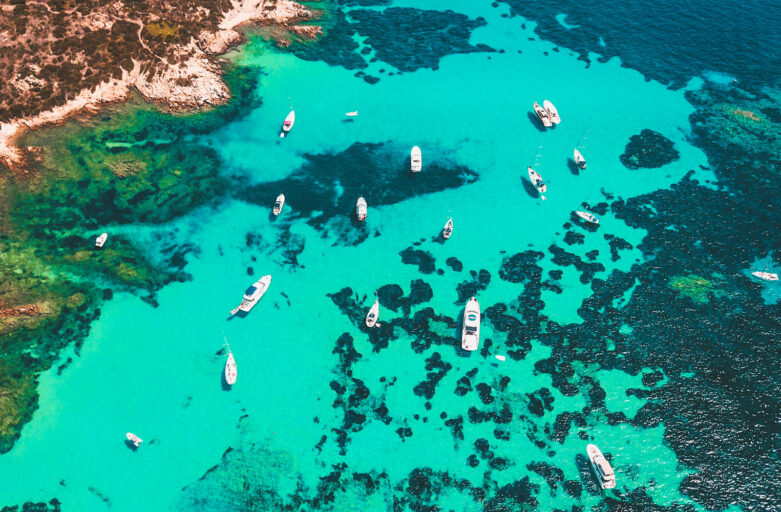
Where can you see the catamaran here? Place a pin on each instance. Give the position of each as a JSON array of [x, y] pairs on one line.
[[374, 314], [134, 439], [278, 204], [253, 295], [536, 180], [470, 334], [416, 159], [579, 160], [543, 115], [601, 467], [448, 229], [287, 125], [767, 276], [552, 112], [361, 209], [587, 216], [99, 241]]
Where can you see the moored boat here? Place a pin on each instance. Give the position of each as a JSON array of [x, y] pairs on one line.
[[374, 314], [288, 123], [100, 240], [601, 467], [416, 159], [448, 229], [579, 160], [278, 204], [354, 113], [587, 216], [231, 370], [536, 180], [361, 209], [253, 295], [134, 439], [552, 112], [470, 333], [543, 115], [766, 276]]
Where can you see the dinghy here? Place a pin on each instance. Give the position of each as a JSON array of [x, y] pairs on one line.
[[536, 180], [470, 334], [99, 241], [361, 209], [579, 160], [354, 113], [766, 276], [543, 115], [134, 439], [448, 229], [552, 112], [253, 295], [416, 159], [587, 216], [601, 467], [278, 204], [501, 358], [373, 315], [287, 125]]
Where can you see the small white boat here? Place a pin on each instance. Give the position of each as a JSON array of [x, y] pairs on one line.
[[134, 439], [543, 115], [587, 216], [374, 314], [231, 370], [470, 334], [601, 467], [287, 125], [536, 180], [354, 113], [99, 241], [253, 295], [552, 112], [767, 276], [416, 159], [278, 204], [448, 229], [501, 358], [579, 160], [361, 209]]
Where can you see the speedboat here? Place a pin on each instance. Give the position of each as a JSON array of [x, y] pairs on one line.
[[99, 241], [253, 295], [134, 439], [587, 216], [601, 467], [543, 115], [767, 276], [448, 229], [361, 209], [416, 160], [536, 180], [231, 371], [278, 204], [374, 314], [287, 125], [470, 334], [552, 112], [354, 113], [579, 160]]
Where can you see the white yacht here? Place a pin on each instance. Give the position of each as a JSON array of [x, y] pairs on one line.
[[99, 241], [231, 370], [416, 159], [579, 160], [253, 295], [448, 229], [361, 209], [767, 276], [470, 334], [134, 439], [536, 180], [587, 216], [374, 314], [543, 115], [278, 204], [601, 467], [552, 112], [287, 125]]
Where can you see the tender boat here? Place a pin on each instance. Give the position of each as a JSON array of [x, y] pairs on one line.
[[470, 334], [587, 216], [448, 229], [374, 314], [278, 204], [579, 160], [99, 241], [536, 180], [361, 209], [552, 112], [231, 371], [601, 467], [352, 114], [543, 115], [416, 159], [253, 295], [501, 358], [767, 276], [287, 125], [134, 439]]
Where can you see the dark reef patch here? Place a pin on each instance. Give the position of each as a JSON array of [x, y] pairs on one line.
[[423, 259], [467, 289], [436, 369], [648, 150]]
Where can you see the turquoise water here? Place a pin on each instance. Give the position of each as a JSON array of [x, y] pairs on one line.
[[156, 371]]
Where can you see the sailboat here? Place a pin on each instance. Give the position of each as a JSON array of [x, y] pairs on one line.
[[287, 125], [766, 276], [231, 370], [374, 314], [536, 180], [579, 160], [552, 112], [354, 113], [278, 204], [448, 229]]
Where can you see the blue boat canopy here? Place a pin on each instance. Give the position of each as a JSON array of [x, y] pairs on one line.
[[250, 290]]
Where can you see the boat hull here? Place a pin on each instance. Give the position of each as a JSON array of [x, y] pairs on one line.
[[231, 370], [766, 276], [553, 113], [361, 209], [543, 115], [249, 301], [279, 204], [579, 160], [588, 217], [373, 315], [416, 159], [448, 229], [470, 332], [594, 457], [536, 180]]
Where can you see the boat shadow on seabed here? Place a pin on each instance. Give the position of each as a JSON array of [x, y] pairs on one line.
[[530, 188], [573, 167], [535, 121]]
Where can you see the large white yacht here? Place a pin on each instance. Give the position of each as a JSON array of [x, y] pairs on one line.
[[416, 159], [601, 467], [470, 334], [253, 295], [587, 216], [767, 276]]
